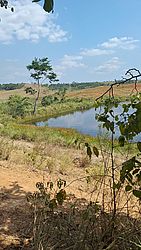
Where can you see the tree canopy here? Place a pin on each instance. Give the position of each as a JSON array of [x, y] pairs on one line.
[[41, 69]]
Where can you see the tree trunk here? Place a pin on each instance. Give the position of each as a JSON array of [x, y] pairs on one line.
[[36, 99]]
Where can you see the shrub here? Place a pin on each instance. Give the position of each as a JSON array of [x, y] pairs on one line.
[[47, 100], [18, 106]]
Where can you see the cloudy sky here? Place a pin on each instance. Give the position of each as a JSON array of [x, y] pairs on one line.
[[93, 40]]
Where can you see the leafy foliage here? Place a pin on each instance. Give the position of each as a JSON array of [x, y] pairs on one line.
[[129, 123], [48, 5], [47, 100], [11, 86], [49, 195], [130, 174], [41, 69], [18, 106], [4, 4], [30, 90], [77, 85]]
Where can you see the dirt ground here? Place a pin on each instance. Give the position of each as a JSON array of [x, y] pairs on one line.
[[18, 178], [15, 214]]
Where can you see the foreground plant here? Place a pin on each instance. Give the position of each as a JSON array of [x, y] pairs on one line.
[[129, 124], [48, 197]]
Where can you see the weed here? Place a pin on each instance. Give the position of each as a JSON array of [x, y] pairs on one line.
[[6, 148]]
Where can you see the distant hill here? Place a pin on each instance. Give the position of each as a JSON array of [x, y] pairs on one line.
[[80, 90]]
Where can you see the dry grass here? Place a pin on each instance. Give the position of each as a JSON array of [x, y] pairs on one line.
[[19, 176], [4, 94], [119, 91]]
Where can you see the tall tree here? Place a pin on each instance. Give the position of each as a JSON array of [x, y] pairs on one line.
[[41, 69]]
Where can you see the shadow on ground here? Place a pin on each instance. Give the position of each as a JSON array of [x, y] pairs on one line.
[[75, 226], [15, 218]]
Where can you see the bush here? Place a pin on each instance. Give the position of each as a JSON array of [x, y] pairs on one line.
[[48, 100], [30, 90], [18, 106]]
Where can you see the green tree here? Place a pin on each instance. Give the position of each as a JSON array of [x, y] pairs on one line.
[[41, 69], [18, 106]]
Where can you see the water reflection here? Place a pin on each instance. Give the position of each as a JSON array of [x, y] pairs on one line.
[[83, 121]]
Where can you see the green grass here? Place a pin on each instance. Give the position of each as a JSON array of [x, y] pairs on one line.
[[23, 129], [61, 136], [57, 109]]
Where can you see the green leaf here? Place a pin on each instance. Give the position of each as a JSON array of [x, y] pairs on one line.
[[139, 146], [137, 193], [117, 185], [128, 188], [89, 152], [121, 140], [53, 204], [61, 196], [116, 118], [51, 185], [48, 5], [95, 150], [139, 176]]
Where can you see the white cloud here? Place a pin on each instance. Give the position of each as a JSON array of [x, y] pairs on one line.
[[110, 46], [95, 52], [29, 22], [71, 62], [109, 66], [127, 43]]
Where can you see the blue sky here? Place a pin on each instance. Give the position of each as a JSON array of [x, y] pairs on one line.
[[95, 40]]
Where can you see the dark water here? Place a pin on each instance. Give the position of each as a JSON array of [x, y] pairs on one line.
[[84, 122]]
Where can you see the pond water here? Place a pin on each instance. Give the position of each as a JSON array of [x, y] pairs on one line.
[[83, 121]]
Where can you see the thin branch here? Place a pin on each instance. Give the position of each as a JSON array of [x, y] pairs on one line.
[[132, 76]]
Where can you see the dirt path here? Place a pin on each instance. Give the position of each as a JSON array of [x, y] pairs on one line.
[[15, 216]]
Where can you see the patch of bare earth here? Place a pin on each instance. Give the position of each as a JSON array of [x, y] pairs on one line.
[[18, 177], [24, 165]]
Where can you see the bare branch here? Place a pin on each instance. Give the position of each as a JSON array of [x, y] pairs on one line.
[[133, 73]]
